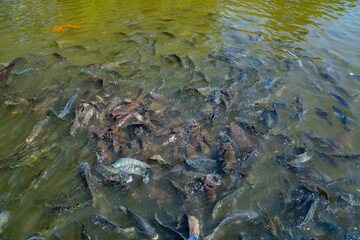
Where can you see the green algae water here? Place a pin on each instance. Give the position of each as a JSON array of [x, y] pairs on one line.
[[264, 95]]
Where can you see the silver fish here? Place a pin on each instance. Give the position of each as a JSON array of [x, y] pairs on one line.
[[132, 166], [37, 129], [66, 108], [236, 217]]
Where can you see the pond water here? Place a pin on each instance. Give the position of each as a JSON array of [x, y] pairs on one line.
[[246, 114]]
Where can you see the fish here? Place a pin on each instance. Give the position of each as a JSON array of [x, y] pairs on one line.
[[6, 70], [36, 179], [66, 108], [84, 233], [141, 223], [65, 208], [299, 107], [117, 174], [340, 100], [177, 59], [76, 47], [31, 158], [236, 217], [269, 221], [342, 116], [173, 231], [132, 166], [324, 115], [103, 223], [91, 181], [227, 198], [168, 34], [59, 56], [65, 27], [343, 92], [347, 157], [37, 129], [4, 218], [343, 181], [310, 213], [202, 164]]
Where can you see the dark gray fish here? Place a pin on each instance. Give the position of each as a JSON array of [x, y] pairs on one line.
[[141, 223], [354, 76], [342, 116], [309, 213], [343, 181], [59, 56], [173, 231], [65, 208], [76, 47], [327, 77], [324, 115], [236, 217], [299, 107], [6, 70], [177, 59], [66, 108], [244, 236], [170, 35], [37, 179], [347, 157], [84, 233], [343, 92], [340, 100]]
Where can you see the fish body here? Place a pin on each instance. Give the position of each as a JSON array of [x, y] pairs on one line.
[[310, 213], [131, 166], [116, 173], [66, 108], [140, 222], [229, 197], [235, 217], [37, 129], [30, 159], [202, 164], [177, 234], [4, 218], [6, 70], [37, 179], [103, 223], [84, 233], [65, 208], [324, 115], [340, 100], [342, 116]]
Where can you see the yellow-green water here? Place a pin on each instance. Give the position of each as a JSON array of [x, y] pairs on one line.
[[299, 35]]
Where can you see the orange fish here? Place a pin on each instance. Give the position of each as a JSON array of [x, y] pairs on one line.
[[65, 27]]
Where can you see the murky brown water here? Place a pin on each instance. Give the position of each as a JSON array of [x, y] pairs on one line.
[[286, 73]]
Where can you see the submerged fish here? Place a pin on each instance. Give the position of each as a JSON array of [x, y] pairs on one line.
[[6, 70], [37, 129], [202, 164], [30, 159], [65, 208], [140, 222], [65, 27], [66, 108], [310, 213], [107, 225], [84, 233], [342, 116], [177, 234], [324, 115], [36, 179], [227, 198], [4, 218], [235, 217], [340, 100]]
